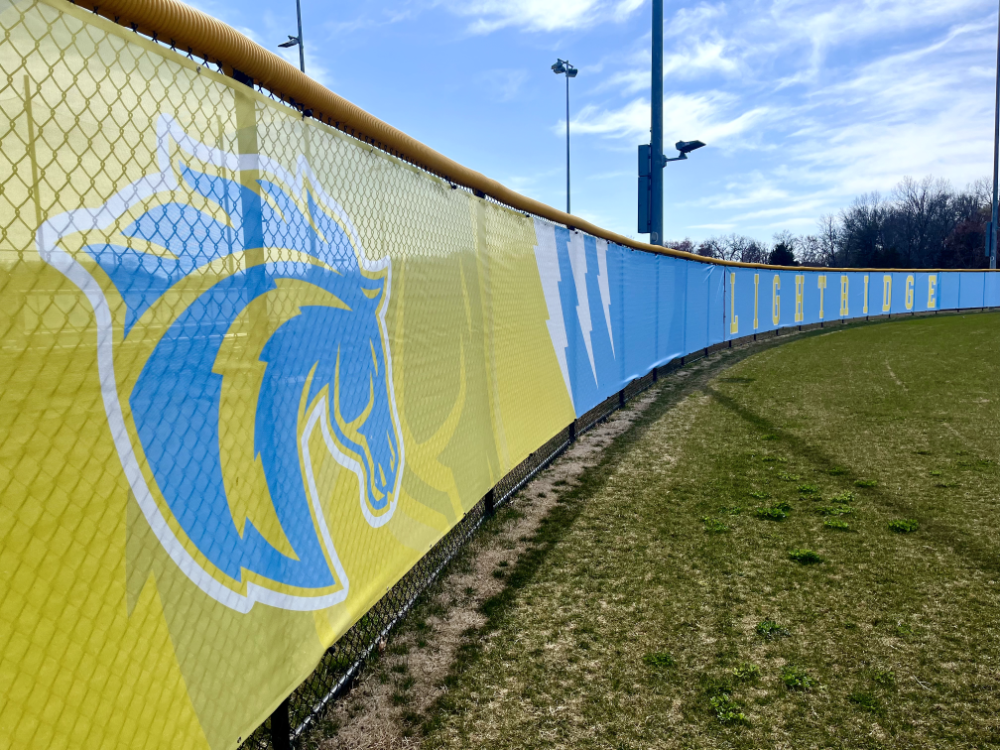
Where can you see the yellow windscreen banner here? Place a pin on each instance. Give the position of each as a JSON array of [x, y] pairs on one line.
[[252, 371]]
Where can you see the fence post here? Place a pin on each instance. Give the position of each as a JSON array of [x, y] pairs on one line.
[[572, 431], [489, 501], [621, 399], [654, 375], [281, 728]]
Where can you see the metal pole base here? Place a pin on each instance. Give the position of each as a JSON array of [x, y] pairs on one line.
[[281, 728]]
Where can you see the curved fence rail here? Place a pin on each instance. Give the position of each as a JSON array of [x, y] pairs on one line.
[[261, 378]]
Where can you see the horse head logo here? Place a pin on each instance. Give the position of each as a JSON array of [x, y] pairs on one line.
[[244, 364]]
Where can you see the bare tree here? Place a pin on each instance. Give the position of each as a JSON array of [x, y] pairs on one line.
[[922, 224], [685, 245], [809, 251], [982, 191], [863, 225], [829, 239], [919, 219], [734, 247], [710, 248]]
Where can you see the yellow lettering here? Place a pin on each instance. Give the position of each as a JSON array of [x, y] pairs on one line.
[[756, 287], [886, 292], [909, 293], [800, 287], [821, 284], [845, 281], [734, 321], [932, 292], [776, 300]]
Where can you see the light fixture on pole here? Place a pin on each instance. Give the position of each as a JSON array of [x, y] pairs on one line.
[[563, 67], [685, 148], [294, 41], [647, 205]]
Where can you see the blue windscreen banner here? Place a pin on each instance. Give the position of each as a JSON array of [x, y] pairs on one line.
[[616, 313]]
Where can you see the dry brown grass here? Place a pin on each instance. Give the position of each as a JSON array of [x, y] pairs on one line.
[[399, 690]]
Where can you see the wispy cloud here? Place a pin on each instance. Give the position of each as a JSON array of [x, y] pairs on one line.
[[698, 59], [533, 185], [370, 19], [694, 20], [540, 15], [504, 84], [918, 108], [713, 117], [713, 227]]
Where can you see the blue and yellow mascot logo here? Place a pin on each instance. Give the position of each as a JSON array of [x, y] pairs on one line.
[[244, 362]]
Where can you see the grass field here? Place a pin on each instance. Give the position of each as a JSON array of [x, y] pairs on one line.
[[803, 553]]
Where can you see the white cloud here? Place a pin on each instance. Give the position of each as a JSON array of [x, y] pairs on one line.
[[504, 84], [910, 113], [625, 82], [626, 8], [751, 189], [703, 57], [694, 61], [367, 20], [709, 117], [533, 185], [823, 26], [688, 21], [540, 15]]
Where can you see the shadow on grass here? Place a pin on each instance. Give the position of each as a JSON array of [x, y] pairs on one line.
[[963, 543], [562, 517]]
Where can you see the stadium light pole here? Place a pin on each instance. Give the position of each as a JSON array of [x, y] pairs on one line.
[[559, 68], [297, 40], [656, 130], [651, 159], [991, 239]]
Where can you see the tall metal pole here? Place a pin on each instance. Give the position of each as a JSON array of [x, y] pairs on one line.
[[996, 160], [302, 49], [656, 140], [567, 144]]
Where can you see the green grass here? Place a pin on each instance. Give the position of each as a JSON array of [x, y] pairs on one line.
[[769, 630], [746, 672], [714, 525], [796, 678], [776, 512], [804, 557], [892, 642], [659, 660]]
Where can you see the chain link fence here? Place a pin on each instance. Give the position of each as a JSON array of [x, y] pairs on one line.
[[114, 273], [228, 323], [343, 662]]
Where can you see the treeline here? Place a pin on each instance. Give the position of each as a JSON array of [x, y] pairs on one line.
[[923, 224]]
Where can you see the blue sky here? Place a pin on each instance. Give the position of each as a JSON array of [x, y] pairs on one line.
[[804, 103]]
